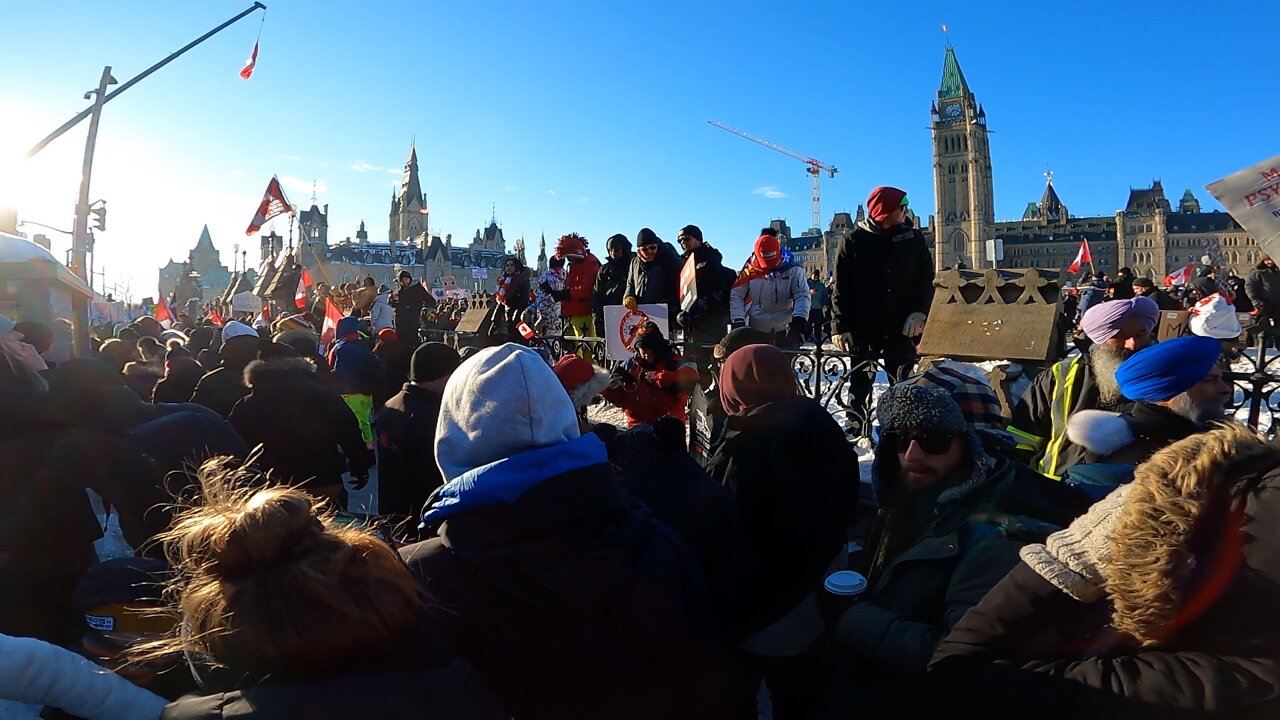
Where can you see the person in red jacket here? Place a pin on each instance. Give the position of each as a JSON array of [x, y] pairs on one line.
[[653, 384], [579, 283]]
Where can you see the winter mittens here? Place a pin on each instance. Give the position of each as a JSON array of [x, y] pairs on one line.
[[1072, 559]]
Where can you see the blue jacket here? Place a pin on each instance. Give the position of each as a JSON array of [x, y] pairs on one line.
[[357, 370]]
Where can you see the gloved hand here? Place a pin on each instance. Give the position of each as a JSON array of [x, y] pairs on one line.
[[359, 480], [629, 302], [559, 295], [799, 328], [914, 324], [620, 379], [735, 324], [1073, 559], [843, 341], [545, 287]]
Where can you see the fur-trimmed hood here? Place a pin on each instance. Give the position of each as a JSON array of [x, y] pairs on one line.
[[1197, 533], [268, 372]]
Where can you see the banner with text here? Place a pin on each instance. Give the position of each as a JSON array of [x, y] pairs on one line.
[[1252, 196], [622, 325]]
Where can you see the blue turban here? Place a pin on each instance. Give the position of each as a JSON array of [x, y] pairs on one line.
[[1165, 370]]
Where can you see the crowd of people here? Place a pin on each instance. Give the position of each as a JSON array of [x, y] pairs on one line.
[[1103, 553]]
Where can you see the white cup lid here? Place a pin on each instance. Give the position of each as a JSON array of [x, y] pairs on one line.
[[845, 582]]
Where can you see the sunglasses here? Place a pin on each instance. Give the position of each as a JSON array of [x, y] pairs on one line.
[[932, 442], [685, 238], [648, 248]]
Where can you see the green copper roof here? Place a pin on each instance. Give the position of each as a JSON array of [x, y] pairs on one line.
[[1187, 195], [953, 84]]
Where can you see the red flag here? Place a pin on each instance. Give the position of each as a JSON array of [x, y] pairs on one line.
[[163, 315], [1181, 276], [1082, 257], [329, 330], [247, 71], [525, 330], [273, 203], [304, 282], [688, 286], [215, 317]]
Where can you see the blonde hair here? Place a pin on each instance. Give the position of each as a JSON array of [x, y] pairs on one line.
[[1151, 558], [267, 581]]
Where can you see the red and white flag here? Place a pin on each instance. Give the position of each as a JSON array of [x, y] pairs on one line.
[[247, 71], [1082, 257], [688, 286], [273, 203], [264, 318], [215, 317], [164, 315], [304, 283], [329, 330], [1181, 276]]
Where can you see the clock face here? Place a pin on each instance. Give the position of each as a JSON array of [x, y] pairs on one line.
[[952, 111]]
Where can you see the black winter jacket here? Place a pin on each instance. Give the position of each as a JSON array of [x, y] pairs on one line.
[[221, 388], [611, 286], [656, 282], [1263, 287], [405, 431], [708, 319], [308, 434], [881, 277], [794, 475]]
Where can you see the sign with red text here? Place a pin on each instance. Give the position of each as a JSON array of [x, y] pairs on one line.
[[621, 326], [1252, 196]]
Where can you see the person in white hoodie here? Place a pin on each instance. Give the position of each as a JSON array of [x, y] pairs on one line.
[[771, 293], [35, 674], [381, 315]]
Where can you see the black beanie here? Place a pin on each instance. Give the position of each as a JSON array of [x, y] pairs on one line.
[[432, 361], [620, 241], [691, 231]]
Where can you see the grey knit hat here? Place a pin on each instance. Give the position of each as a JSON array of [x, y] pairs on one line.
[[922, 407]]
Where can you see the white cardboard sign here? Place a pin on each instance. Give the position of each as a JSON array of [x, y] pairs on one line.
[[621, 326], [1252, 196]]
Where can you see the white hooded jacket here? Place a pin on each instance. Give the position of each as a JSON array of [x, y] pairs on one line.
[[774, 299]]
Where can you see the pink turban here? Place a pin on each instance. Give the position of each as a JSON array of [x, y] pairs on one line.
[[1103, 321]]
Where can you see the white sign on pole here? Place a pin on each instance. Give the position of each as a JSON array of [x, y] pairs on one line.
[[621, 326], [1252, 196], [995, 250], [246, 302], [479, 273]]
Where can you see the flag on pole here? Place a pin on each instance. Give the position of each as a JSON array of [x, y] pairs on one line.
[[1181, 276], [329, 330], [273, 203], [304, 282], [163, 314], [944, 29], [264, 318], [1082, 257], [247, 71], [215, 317]]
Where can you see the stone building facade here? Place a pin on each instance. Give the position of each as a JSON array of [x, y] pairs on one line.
[[204, 260]]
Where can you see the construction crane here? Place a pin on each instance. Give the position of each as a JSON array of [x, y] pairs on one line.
[[815, 166]]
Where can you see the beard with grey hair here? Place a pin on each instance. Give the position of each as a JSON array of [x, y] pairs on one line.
[[1105, 359], [1183, 405]]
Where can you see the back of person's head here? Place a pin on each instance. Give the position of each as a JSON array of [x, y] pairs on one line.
[[117, 353], [150, 349], [271, 583], [503, 401], [37, 335], [433, 361]]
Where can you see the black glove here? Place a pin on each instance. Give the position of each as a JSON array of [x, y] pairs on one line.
[[359, 480], [559, 295], [799, 327], [545, 287]]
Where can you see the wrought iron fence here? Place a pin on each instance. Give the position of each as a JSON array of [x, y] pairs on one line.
[[1254, 401]]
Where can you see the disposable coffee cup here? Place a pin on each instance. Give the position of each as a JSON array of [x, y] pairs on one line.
[[839, 592]]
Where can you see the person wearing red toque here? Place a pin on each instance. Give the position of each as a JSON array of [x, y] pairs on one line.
[[883, 287], [771, 294]]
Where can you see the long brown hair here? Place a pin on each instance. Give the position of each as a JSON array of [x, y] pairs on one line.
[[269, 582]]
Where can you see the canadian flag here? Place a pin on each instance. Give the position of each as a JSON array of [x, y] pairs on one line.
[[164, 315], [273, 203], [1181, 276], [329, 330], [1082, 257], [247, 71], [215, 317], [304, 282]]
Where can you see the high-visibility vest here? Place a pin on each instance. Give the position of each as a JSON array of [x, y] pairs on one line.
[[1066, 373]]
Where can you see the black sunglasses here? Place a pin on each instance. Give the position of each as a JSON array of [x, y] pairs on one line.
[[932, 442], [654, 246]]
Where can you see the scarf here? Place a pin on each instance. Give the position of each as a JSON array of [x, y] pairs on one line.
[[757, 267]]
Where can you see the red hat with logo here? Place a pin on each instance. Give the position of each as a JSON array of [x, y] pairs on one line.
[[884, 200]]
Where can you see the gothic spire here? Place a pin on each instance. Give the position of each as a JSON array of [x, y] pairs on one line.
[[410, 187], [953, 82]]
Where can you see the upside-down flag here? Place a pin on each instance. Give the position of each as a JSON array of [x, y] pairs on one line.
[[247, 71], [1181, 276], [273, 203], [304, 282], [1082, 257]]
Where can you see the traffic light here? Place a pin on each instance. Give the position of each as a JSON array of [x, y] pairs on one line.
[[99, 216]]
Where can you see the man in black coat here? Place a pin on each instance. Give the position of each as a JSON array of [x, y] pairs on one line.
[[654, 277], [1263, 288], [1147, 289], [707, 320], [405, 432], [883, 288], [409, 300], [611, 281], [221, 388], [570, 600], [307, 433]]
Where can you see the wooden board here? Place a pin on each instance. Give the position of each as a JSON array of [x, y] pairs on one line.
[[994, 315], [478, 317], [1176, 323]]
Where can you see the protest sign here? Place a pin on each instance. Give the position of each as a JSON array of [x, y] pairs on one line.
[[1252, 196], [622, 325], [689, 282]]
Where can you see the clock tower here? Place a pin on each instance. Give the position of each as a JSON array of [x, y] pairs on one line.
[[964, 201]]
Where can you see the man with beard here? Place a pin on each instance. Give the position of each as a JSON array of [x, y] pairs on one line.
[[1117, 329], [1177, 391], [952, 518]]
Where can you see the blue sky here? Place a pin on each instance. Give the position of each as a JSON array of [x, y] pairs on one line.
[[591, 116]]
